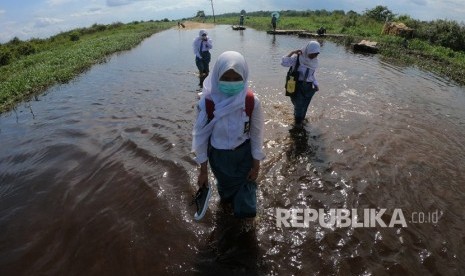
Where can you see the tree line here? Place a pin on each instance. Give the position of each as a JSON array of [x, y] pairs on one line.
[[446, 33]]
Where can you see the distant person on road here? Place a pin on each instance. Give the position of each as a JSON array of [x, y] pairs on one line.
[[306, 61], [274, 20], [231, 138], [202, 46], [241, 20], [321, 31]]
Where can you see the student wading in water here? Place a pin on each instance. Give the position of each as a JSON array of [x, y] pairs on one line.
[[202, 45], [230, 139], [306, 61]]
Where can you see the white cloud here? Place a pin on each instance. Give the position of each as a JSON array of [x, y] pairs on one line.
[[419, 2], [45, 22], [114, 3], [2, 12], [57, 2], [11, 29], [90, 12]]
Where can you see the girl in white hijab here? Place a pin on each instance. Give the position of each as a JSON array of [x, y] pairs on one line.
[[306, 61], [231, 142], [202, 46]]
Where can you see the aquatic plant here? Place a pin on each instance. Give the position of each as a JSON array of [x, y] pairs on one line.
[[30, 67]]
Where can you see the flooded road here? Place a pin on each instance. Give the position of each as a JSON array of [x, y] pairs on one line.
[[96, 176]]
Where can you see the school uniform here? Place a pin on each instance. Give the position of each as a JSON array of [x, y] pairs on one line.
[[231, 140], [307, 83], [202, 52]]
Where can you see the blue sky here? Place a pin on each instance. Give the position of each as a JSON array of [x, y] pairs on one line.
[[42, 18]]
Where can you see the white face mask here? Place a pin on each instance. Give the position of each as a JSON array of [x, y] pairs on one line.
[[310, 63]]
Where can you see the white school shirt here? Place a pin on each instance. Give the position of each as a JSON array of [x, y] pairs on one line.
[[291, 61], [207, 45], [223, 138]]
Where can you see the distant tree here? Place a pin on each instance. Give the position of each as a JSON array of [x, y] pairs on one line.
[[379, 13], [15, 41], [200, 14], [242, 12], [322, 13], [351, 13]]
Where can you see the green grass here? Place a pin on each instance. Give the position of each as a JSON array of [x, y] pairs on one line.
[[437, 59], [58, 59], [428, 56], [30, 67], [333, 24]]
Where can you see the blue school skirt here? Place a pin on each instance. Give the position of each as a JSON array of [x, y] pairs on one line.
[[230, 168]]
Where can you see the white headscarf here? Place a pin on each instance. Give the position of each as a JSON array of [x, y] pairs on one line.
[[198, 40], [201, 32], [311, 48], [224, 105]]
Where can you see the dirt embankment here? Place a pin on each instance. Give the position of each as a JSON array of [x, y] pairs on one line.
[[195, 25]]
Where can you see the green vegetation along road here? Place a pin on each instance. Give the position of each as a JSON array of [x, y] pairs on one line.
[[30, 67]]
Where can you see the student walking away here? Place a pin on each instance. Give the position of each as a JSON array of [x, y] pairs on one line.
[[274, 20], [305, 61], [202, 46], [228, 134]]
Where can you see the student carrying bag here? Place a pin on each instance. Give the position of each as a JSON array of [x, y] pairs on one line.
[[291, 78]]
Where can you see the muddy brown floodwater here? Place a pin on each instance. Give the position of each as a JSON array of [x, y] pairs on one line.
[[96, 176]]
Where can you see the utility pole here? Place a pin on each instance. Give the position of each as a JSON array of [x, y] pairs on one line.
[[213, 10]]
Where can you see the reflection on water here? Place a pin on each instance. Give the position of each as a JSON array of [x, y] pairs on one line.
[[96, 176]]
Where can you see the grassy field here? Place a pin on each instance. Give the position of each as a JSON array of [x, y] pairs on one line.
[[33, 66], [424, 54], [30, 67]]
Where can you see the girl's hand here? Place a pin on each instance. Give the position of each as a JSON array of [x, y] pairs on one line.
[[202, 179], [296, 52], [253, 173]]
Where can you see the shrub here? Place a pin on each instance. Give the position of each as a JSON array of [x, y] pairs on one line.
[[25, 49], [5, 56], [98, 27], [349, 21], [15, 41], [380, 13], [441, 32], [74, 36], [115, 25]]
